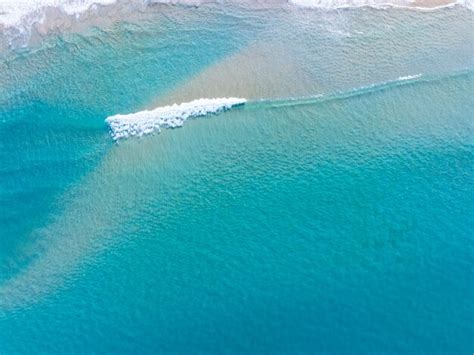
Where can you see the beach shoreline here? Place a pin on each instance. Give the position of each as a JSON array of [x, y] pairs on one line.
[[27, 25]]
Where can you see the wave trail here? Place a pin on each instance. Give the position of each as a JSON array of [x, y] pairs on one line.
[[311, 100], [146, 122]]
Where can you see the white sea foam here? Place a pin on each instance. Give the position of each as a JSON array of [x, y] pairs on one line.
[[146, 122], [16, 12], [466, 3], [409, 77], [19, 17], [410, 4]]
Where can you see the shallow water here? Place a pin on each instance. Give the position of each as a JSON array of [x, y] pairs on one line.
[[338, 224]]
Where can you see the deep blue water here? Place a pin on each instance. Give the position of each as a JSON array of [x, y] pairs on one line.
[[336, 225]]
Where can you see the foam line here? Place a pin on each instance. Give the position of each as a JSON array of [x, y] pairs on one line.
[[14, 12], [359, 91], [403, 80], [146, 122], [378, 4]]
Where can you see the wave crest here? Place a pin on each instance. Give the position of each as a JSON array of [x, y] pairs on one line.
[[379, 4], [146, 122], [18, 18]]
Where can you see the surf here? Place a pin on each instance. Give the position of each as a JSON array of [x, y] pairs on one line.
[[378, 4], [20, 21], [173, 116]]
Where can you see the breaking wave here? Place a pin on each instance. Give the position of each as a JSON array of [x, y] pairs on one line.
[[18, 18], [380, 4], [12, 13], [173, 116], [146, 122]]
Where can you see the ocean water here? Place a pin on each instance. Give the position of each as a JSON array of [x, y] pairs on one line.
[[332, 213]]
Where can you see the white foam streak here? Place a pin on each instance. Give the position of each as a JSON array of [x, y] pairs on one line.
[[19, 17], [409, 77], [466, 3], [379, 4], [16, 12], [146, 122]]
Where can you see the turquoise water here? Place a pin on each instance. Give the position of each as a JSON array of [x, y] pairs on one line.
[[338, 224]]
